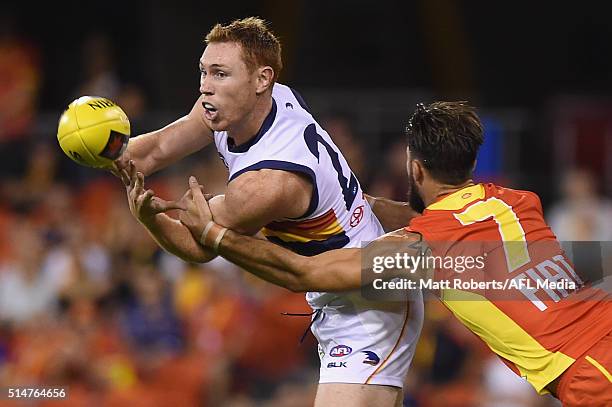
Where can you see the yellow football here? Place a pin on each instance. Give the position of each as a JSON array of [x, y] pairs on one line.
[[93, 131]]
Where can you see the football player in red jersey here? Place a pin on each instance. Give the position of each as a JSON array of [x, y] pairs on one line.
[[558, 337]]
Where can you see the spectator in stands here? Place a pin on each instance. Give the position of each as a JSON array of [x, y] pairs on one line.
[[25, 291], [582, 213]]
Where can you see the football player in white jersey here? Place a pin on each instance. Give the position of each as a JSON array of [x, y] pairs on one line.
[[289, 181]]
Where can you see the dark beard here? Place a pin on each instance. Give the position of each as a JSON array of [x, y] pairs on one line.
[[414, 199]]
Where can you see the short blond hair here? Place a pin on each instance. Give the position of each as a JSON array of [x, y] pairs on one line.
[[260, 47]]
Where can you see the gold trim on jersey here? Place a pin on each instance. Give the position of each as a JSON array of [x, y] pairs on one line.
[[319, 228], [459, 199], [599, 367]]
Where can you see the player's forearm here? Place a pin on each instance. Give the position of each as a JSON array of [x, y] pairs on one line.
[[269, 262], [158, 149], [143, 150], [336, 270], [172, 236], [391, 214]]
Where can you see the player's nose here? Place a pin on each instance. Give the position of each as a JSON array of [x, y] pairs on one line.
[[206, 86]]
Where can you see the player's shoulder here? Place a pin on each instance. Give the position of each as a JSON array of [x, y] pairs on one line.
[[431, 222], [291, 107], [289, 96], [514, 196], [265, 178], [494, 189]]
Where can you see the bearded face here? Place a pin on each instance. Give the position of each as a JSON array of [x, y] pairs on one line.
[[414, 197]]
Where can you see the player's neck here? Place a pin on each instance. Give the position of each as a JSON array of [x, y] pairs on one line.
[[249, 127], [436, 190]]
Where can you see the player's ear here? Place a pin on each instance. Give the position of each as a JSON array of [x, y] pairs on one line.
[[265, 76], [418, 171]]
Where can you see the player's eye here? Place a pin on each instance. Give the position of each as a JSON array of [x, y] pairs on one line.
[[220, 74]]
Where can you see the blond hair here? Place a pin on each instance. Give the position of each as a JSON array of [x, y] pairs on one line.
[[260, 47]]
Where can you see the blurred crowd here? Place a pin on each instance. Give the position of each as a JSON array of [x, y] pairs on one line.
[[88, 300]]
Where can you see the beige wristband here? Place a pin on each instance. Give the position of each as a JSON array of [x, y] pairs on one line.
[[207, 228], [212, 235], [218, 240]]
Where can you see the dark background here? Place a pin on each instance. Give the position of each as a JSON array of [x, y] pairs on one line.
[[498, 54], [526, 58]]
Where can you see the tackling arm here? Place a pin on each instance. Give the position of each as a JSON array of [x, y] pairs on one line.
[[336, 270], [332, 271]]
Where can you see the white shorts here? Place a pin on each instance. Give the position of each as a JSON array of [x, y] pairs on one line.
[[368, 342]]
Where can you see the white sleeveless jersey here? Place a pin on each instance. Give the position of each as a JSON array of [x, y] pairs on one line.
[[291, 140]]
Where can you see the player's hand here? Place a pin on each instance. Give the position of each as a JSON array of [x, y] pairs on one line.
[[144, 205], [120, 164], [196, 214]]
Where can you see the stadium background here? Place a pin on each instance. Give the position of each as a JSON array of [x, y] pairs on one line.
[[86, 298]]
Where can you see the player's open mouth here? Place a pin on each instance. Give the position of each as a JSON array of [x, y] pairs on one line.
[[210, 111]]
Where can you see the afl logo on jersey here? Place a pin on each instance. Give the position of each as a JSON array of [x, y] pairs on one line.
[[357, 216], [340, 350]]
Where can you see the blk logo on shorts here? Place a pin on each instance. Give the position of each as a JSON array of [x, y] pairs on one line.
[[336, 364], [340, 350]]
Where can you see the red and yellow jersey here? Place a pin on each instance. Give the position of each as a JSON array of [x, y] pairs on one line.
[[540, 328]]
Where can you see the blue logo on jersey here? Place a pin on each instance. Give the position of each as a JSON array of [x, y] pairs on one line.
[[340, 350], [288, 105], [371, 358]]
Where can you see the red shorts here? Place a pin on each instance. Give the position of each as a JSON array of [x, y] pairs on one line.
[[588, 381]]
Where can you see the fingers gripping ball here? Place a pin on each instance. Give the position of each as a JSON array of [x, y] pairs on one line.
[[93, 131]]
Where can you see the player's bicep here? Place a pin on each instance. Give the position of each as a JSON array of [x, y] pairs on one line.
[[232, 216], [257, 198]]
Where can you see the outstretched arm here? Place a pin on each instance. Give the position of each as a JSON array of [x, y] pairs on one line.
[[332, 271], [336, 270], [391, 214], [158, 149]]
